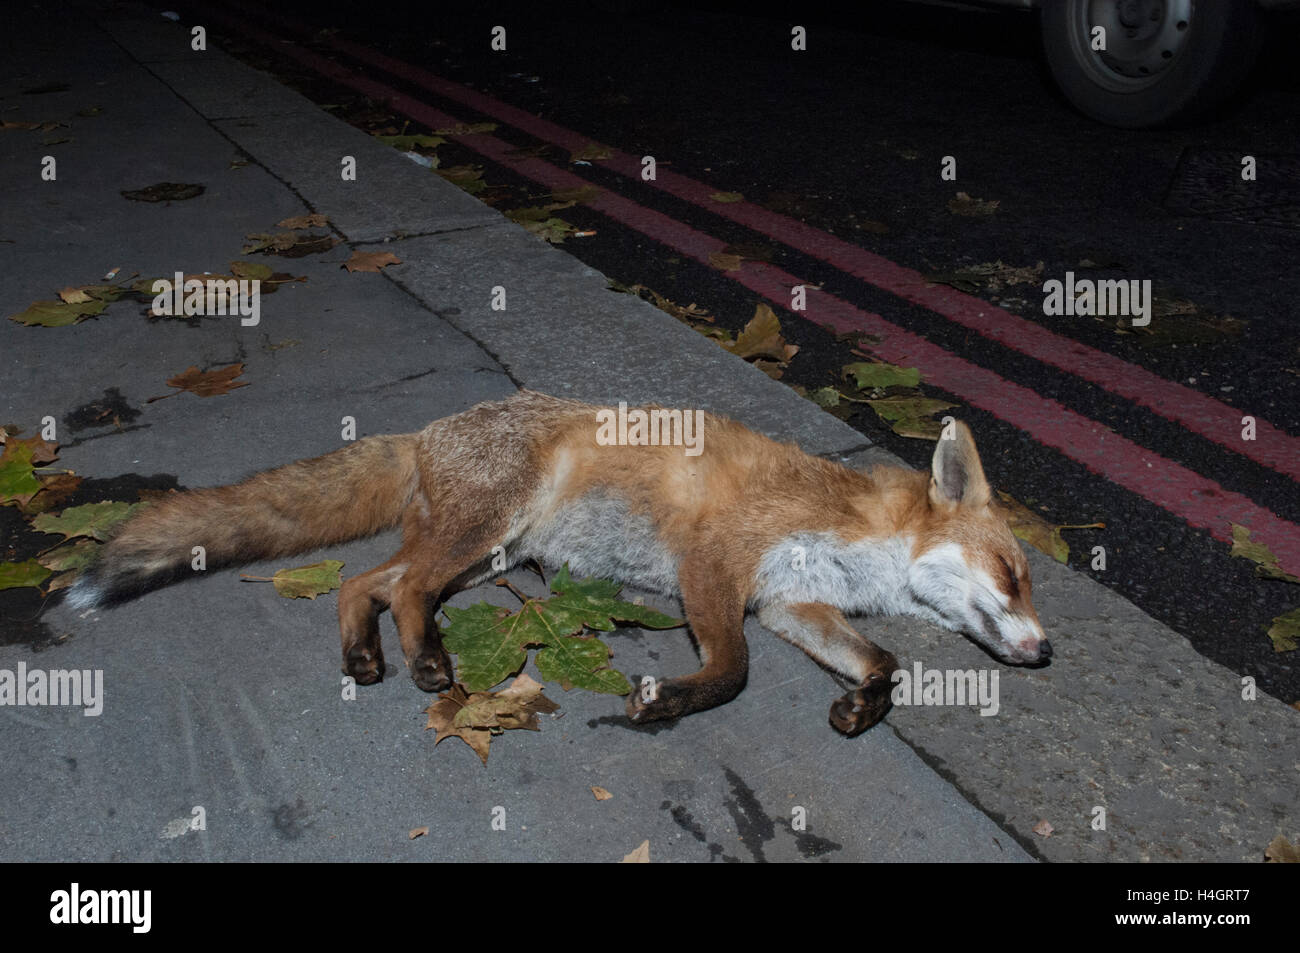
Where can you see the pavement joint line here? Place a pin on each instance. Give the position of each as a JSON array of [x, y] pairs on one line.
[[939, 767], [212, 124]]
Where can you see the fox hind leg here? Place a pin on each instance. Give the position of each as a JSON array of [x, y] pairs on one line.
[[716, 614]]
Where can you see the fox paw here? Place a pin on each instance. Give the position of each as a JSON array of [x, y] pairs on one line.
[[861, 708], [433, 672], [365, 666], [650, 701]]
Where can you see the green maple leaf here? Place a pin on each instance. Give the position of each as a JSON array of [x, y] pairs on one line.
[[58, 314], [1285, 631], [67, 556], [491, 643], [93, 519], [867, 374], [18, 482], [17, 575]]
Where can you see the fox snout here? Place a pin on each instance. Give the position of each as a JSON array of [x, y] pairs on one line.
[[1035, 649]]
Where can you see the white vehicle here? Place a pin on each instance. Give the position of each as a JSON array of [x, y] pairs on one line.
[[1139, 63]]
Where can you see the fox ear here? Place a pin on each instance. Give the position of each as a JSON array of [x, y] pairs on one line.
[[957, 476]]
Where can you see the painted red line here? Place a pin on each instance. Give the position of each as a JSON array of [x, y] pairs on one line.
[[1200, 501], [1197, 412]]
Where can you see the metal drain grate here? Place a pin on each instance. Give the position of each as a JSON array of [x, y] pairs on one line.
[[1208, 184]]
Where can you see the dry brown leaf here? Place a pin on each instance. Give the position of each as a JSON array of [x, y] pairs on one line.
[[963, 204], [1282, 851], [417, 832], [205, 383], [639, 856], [43, 451], [371, 261], [724, 261], [761, 337], [600, 793], [475, 718], [314, 220], [74, 296], [1043, 829]]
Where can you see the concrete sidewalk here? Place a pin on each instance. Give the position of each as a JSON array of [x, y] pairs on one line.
[[222, 695]]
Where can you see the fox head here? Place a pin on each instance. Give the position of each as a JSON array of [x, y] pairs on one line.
[[967, 571]]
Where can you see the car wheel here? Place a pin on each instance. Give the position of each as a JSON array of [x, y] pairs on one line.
[[1164, 61]]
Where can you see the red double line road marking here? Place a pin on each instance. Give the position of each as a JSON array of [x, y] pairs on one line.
[[1199, 501], [1197, 412]]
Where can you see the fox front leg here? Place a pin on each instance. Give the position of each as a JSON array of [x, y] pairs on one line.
[[822, 632]]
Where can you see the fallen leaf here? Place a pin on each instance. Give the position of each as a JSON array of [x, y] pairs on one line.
[[373, 261], [407, 144], [74, 296], [591, 152], [205, 383], [1266, 564], [580, 195], [55, 488], [288, 244], [43, 451], [251, 270], [1028, 526], [74, 555], [58, 314], [467, 177], [443, 712], [417, 832], [870, 375], [491, 642], [1285, 631], [94, 520], [761, 337], [727, 197], [912, 416], [466, 129], [304, 582], [476, 718], [18, 482], [991, 276], [1043, 829], [314, 220], [164, 192], [1281, 851], [963, 204], [723, 261], [602, 795], [639, 856], [24, 574]]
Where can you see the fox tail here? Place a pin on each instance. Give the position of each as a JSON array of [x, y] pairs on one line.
[[353, 492]]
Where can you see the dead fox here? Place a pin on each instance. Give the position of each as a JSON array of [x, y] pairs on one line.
[[748, 524]]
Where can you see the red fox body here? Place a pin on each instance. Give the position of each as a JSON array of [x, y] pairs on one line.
[[747, 524]]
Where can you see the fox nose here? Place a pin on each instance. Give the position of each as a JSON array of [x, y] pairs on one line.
[[1044, 649]]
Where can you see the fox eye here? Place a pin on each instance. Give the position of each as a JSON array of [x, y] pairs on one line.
[[1009, 578]]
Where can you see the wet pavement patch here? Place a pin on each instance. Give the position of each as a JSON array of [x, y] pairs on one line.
[[1208, 183], [22, 609]]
